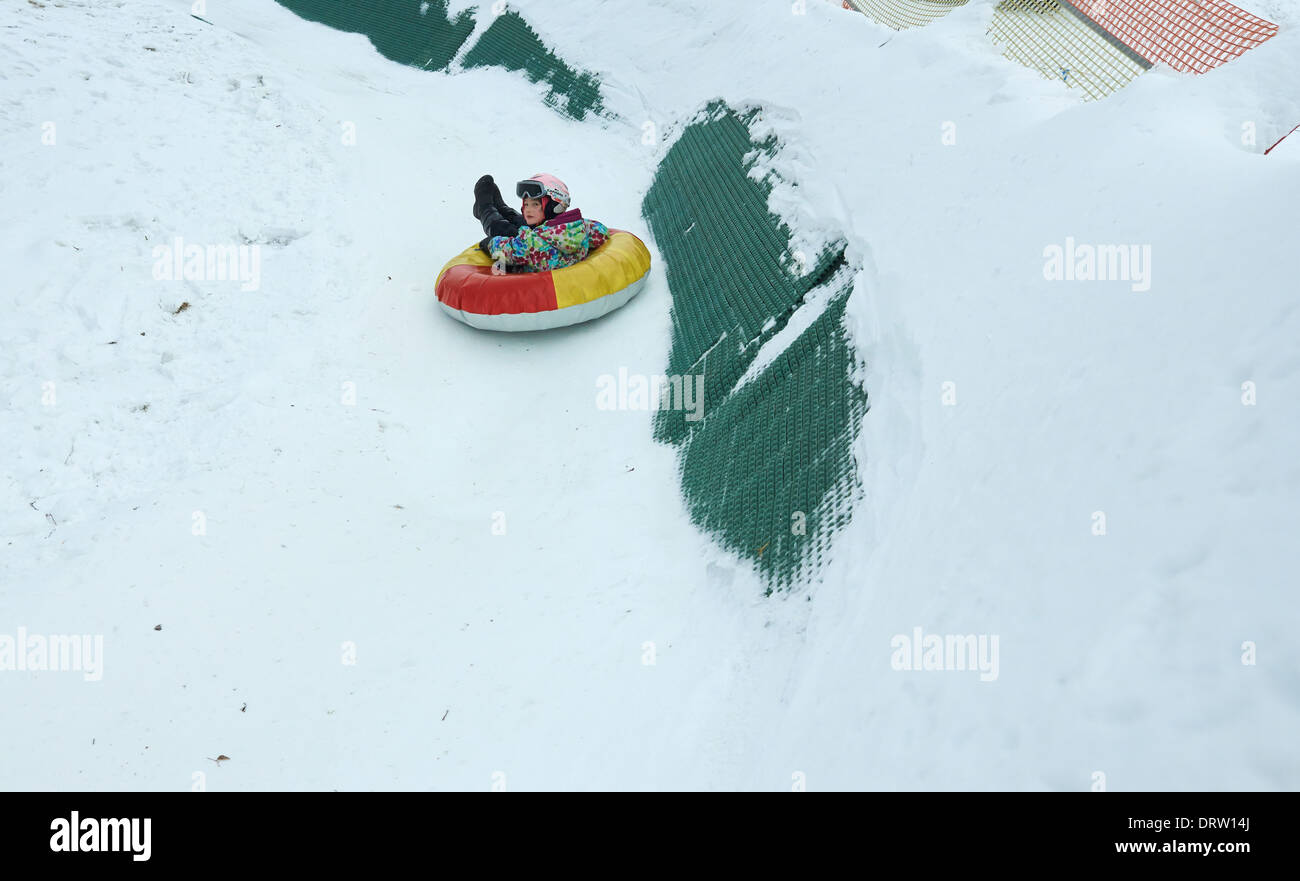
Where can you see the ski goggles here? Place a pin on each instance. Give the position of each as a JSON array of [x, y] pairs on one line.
[[530, 189]]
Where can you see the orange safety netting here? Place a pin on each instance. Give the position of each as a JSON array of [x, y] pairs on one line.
[[1188, 35], [1281, 139]]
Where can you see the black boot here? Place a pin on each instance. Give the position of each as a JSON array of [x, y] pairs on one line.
[[486, 195], [506, 211]]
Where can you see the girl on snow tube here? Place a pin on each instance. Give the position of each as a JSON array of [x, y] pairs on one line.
[[544, 267]]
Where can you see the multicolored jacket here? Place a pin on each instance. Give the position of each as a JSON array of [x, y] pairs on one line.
[[562, 241]]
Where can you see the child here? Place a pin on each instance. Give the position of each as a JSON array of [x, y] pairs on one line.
[[547, 235]]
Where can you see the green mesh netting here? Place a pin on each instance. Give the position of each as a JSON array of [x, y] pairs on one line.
[[779, 448], [510, 43], [397, 28], [430, 40], [725, 254]]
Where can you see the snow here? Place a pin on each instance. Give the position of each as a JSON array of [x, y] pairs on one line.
[[1286, 148], [519, 659]]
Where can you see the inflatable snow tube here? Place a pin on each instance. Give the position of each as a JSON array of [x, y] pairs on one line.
[[469, 291]]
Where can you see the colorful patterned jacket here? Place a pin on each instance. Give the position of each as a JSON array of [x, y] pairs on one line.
[[562, 241]]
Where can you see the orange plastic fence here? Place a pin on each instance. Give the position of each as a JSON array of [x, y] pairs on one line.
[[1281, 139], [1100, 45], [1188, 35]]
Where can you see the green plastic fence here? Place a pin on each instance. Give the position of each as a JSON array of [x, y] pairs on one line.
[[770, 469], [396, 27], [431, 39], [510, 43]]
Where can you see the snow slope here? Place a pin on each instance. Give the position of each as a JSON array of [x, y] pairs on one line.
[[519, 659]]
